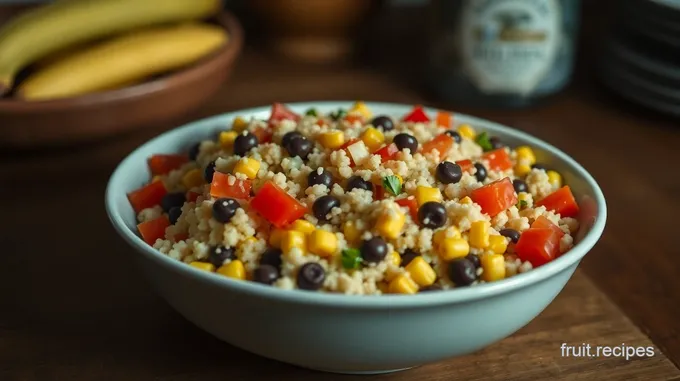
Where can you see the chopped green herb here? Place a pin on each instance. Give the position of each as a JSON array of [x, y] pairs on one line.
[[337, 115], [351, 258], [484, 142], [522, 204], [311, 112], [392, 184]]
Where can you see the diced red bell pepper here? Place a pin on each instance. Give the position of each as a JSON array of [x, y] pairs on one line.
[[417, 115], [544, 223], [498, 159], [387, 152], [147, 196], [281, 112], [320, 122], [444, 119], [344, 147], [162, 164], [538, 246], [441, 143], [192, 196], [465, 165], [264, 135], [379, 192], [351, 118], [411, 203], [276, 205], [221, 186], [153, 229], [561, 201], [495, 197]]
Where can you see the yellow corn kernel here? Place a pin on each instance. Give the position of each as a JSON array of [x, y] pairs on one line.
[[498, 244], [493, 266], [205, 266], [373, 138], [227, 138], [303, 226], [351, 232], [361, 108], [440, 235], [465, 200], [452, 248], [193, 178], [466, 131], [479, 234], [275, 236], [427, 194], [554, 178], [394, 258], [248, 167], [522, 170], [156, 178], [322, 243], [525, 155], [421, 272], [251, 240], [403, 284], [383, 287], [293, 239], [390, 223], [332, 139], [239, 124], [233, 269]]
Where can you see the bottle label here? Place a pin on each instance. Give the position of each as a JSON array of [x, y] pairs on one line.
[[509, 46]]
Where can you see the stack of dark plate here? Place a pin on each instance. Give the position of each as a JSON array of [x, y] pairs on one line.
[[641, 59]]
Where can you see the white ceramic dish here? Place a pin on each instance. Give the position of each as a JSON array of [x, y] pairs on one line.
[[353, 334]]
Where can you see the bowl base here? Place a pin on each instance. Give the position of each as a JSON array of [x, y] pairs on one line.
[[363, 372]]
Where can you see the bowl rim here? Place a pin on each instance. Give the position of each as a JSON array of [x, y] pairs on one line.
[[228, 51], [390, 301]]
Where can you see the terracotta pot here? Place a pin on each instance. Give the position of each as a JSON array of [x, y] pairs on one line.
[[316, 31]]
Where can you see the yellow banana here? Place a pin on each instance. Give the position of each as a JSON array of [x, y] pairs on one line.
[[53, 27], [124, 59]]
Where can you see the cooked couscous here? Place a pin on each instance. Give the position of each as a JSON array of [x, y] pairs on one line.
[[348, 202]]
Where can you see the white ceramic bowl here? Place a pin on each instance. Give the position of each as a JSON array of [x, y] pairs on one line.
[[353, 334]]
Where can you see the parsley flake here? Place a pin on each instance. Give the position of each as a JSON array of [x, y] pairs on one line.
[[484, 141], [392, 184], [337, 115], [351, 258], [522, 204], [311, 112]]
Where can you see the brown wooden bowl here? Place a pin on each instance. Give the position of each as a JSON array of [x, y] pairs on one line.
[[25, 124]]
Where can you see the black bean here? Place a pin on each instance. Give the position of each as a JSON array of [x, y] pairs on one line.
[[520, 186], [224, 209], [209, 172], [510, 233], [449, 173], [481, 172], [174, 214], [266, 274], [432, 215], [311, 276], [172, 200], [374, 250], [272, 257], [539, 166], [455, 135], [219, 254], [384, 122], [300, 146], [244, 143], [496, 142], [434, 287], [404, 141], [462, 272], [323, 205], [194, 150], [407, 256], [323, 178], [474, 259], [285, 141], [358, 182]]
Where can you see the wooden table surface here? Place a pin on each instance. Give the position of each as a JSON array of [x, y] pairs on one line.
[[73, 309]]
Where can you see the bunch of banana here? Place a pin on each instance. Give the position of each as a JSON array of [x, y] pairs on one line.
[[75, 47]]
